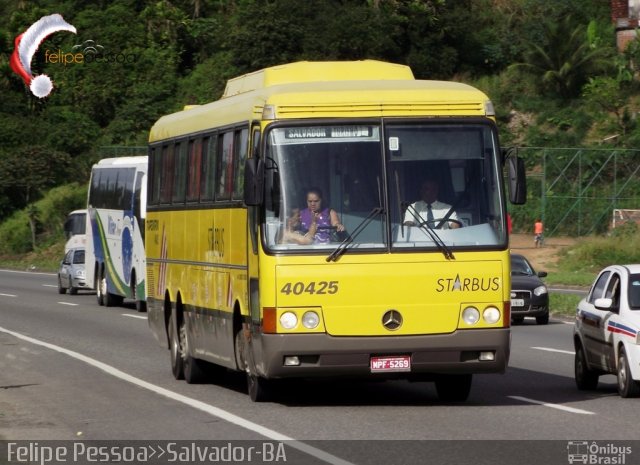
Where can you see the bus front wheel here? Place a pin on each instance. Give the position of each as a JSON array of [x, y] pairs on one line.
[[453, 388], [258, 387]]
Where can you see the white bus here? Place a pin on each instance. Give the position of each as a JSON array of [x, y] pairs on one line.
[[74, 230], [116, 208]]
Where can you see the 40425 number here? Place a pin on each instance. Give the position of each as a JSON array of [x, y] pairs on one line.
[[314, 287]]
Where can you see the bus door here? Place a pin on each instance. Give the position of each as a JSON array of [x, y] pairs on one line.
[[250, 324]]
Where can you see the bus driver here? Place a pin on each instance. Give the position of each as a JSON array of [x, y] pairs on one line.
[[429, 209], [324, 219]]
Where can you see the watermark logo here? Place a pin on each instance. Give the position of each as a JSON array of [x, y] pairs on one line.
[[26, 45], [597, 454], [88, 51]]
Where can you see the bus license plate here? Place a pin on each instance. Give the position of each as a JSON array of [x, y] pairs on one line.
[[517, 302], [386, 364]]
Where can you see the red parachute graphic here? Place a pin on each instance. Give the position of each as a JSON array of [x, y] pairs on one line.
[[27, 44]]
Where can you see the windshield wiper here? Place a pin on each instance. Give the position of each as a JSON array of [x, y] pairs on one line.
[[424, 225], [342, 247]]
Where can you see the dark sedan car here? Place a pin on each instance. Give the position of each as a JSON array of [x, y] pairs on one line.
[[529, 295]]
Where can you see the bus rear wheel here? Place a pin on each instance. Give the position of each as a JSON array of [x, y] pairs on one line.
[[453, 388], [175, 349], [141, 305], [194, 369]]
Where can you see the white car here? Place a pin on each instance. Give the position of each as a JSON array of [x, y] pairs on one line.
[[607, 330]]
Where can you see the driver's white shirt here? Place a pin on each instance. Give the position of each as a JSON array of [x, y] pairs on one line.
[[439, 209]]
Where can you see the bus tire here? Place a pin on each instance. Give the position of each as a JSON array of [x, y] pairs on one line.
[[194, 369], [99, 288], [141, 305], [239, 350], [453, 388], [258, 388], [175, 349]]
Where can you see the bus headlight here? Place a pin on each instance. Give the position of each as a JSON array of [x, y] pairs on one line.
[[310, 320], [470, 315], [491, 315], [288, 320]]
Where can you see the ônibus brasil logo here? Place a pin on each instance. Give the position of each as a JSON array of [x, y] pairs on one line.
[[26, 45]]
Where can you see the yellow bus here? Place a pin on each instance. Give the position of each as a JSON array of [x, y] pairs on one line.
[[290, 233]]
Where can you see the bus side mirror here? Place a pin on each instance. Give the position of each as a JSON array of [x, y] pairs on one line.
[[272, 201], [517, 180], [253, 181]]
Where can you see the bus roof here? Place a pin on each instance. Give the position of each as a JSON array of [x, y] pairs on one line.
[[138, 160], [309, 71], [325, 90]]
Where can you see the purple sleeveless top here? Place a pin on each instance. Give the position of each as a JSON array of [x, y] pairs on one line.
[[322, 235]]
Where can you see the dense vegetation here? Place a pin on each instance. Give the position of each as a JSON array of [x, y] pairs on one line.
[[551, 68]]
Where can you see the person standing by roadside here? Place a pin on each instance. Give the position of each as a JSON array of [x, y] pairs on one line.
[[538, 231]]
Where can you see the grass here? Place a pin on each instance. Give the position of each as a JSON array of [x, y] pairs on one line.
[[45, 259], [563, 304]]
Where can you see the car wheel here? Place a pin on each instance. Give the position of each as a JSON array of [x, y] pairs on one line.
[[586, 379], [61, 290], [73, 290], [453, 388], [517, 320], [627, 387], [542, 319]]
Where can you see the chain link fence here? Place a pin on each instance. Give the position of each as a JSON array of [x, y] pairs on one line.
[[575, 190]]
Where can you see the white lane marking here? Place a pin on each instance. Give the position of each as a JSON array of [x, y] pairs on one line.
[[556, 406], [197, 404], [68, 303], [549, 349], [8, 295], [28, 272], [135, 316], [49, 285]]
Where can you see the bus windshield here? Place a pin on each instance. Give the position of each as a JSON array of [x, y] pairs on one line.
[[394, 186]]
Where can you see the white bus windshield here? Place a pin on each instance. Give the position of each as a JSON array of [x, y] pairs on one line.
[[367, 183]]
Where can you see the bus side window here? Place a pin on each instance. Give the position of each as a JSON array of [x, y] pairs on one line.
[[241, 146], [224, 186], [193, 167], [208, 177]]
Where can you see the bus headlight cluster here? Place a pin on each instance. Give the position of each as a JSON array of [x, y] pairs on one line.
[[288, 320], [310, 320], [471, 315]]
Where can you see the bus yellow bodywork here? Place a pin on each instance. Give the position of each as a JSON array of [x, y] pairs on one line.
[[423, 301]]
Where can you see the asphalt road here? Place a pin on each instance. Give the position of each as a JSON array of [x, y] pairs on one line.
[[72, 370]]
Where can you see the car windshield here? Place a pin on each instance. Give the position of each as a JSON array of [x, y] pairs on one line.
[[520, 267], [634, 291], [364, 182], [78, 257]]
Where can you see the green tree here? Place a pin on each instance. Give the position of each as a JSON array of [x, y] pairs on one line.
[[566, 58]]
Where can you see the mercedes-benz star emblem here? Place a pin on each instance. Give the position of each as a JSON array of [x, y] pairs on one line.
[[392, 320]]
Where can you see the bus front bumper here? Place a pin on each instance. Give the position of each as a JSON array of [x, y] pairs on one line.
[[321, 354]]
